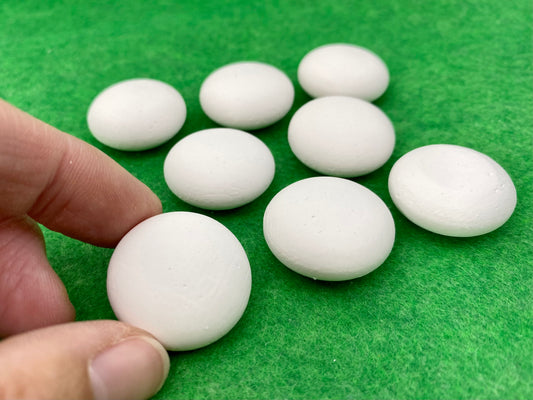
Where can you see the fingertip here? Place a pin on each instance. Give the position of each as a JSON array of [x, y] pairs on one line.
[[146, 205], [93, 359], [136, 367], [153, 204], [122, 201]]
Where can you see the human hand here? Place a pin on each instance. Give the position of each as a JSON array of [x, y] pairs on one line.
[[52, 178]]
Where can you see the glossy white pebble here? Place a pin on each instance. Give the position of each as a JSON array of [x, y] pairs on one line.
[[343, 69], [181, 276], [329, 228], [246, 95], [136, 114], [341, 136], [219, 168], [452, 190]]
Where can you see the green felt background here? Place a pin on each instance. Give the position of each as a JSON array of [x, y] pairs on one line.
[[442, 318]]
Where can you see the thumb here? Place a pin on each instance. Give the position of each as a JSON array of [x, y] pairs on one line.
[[82, 360]]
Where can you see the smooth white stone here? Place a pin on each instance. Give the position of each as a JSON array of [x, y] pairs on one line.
[[181, 276], [329, 228], [246, 95], [219, 168], [344, 70], [136, 114], [452, 190], [341, 136]]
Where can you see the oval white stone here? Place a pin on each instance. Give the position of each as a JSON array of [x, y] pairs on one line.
[[452, 190], [219, 168], [329, 228], [345, 70], [181, 276], [246, 95], [341, 136], [136, 114]]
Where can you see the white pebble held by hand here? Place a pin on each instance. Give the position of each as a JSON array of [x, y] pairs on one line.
[[452, 190], [246, 95], [341, 69], [136, 114], [329, 228], [182, 276], [341, 136], [219, 168]]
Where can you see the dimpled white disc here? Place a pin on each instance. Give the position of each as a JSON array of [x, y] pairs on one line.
[[246, 95], [136, 114], [452, 190], [219, 168], [345, 70], [341, 136], [329, 228], [181, 276]]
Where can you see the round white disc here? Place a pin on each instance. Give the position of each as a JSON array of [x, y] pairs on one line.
[[452, 190], [344, 70], [341, 136], [329, 228], [136, 114], [246, 95], [219, 169], [181, 276]]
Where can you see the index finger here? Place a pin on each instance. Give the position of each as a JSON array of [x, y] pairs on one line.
[[66, 184]]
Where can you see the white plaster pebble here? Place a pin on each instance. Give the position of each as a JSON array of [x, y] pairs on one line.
[[341, 136], [219, 168], [181, 276], [246, 95], [136, 114], [329, 228], [452, 190], [343, 69]]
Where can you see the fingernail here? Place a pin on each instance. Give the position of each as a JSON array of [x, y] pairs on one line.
[[135, 368]]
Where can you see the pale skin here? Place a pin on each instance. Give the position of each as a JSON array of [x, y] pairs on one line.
[[63, 183]]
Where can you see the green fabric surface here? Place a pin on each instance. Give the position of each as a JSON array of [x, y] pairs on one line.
[[442, 318]]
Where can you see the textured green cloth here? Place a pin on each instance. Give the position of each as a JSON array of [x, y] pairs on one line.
[[442, 318]]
